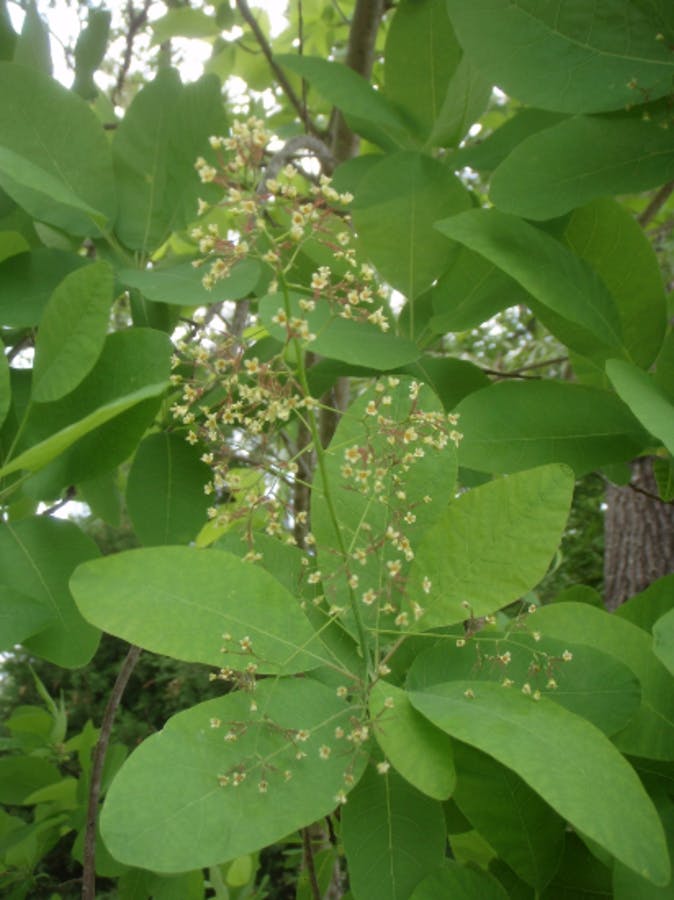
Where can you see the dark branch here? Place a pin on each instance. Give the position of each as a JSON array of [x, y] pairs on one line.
[[656, 204], [309, 863]]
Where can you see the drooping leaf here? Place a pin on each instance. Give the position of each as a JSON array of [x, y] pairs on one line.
[[420, 58], [527, 834], [510, 426], [33, 109], [181, 285], [163, 132], [72, 331], [28, 280], [607, 236], [37, 557], [180, 601], [593, 157], [419, 752], [572, 57], [346, 340], [165, 490], [454, 880], [174, 775], [89, 52], [133, 367], [554, 276], [32, 46], [392, 836], [650, 405], [651, 732], [593, 786], [397, 202], [367, 111], [491, 545]]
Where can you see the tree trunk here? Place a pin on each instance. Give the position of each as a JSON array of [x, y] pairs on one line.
[[639, 536]]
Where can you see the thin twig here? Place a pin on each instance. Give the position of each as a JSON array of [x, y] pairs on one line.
[[248, 17], [70, 493], [656, 204], [100, 751], [309, 863], [135, 22]]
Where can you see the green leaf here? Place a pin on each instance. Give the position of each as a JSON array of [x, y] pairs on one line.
[[663, 470], [346, 340], [392, 836], [5, 386], [646, 607], [663, 640], [164, 130], [511, 426], [181, 285], [420, 57], [32, 46], [133, 367], [72, 331], [491, 545], [567, 761], [180, 601], [7, 33], [486, 154], [526, 833], [597, 686], [553, 275], [28, 280], [20, 776], [471, 291], [467, 97], [165, 490], [606, 235], [419, 752], [184, 22], [169, 786], [581, 875], [21, 617], [33, 109], [651, 731], [359, 514], [407, 192], [89, 52], [367, 111], [37, 557], [454, 880], [451, 379], [593, 157], [574, 57], [650, 405], [102, 496]]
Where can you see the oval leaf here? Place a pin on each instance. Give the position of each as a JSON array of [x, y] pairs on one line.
[[647, 401]]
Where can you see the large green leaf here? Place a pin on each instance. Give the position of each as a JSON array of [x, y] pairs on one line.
[[526, 833], [37, 557], [181, 285], [511, 426], [89, 52], [593, 157], [20, 776], [76, 185], [32, 46], [72, 331], [454, 880], [21, 617], [397, 202], [571, 56], [164, 130], [606, 235], [467, 97], [28, 280], [365, 109], [651, 731], [133, 367], [421, 753], [645, 608], [554, 276], [571, 764], [663, 640], [393, 836], [180, 601], [165, 490], [421, 56], [364, 510], [595, 685], [166, 809], [491, 545], [648, 402]]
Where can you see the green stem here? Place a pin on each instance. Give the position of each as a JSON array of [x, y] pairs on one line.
[[327, 493]]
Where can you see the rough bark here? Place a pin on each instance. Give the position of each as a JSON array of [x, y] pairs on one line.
[[639, 536]]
